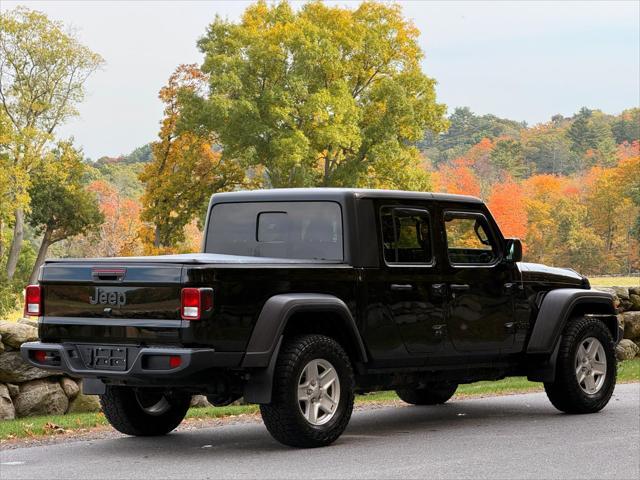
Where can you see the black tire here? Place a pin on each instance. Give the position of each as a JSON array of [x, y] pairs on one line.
[[565, 393], [433, 394], [283, 417], [123, 408]]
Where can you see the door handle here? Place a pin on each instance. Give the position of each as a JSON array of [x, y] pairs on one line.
[[438, 289], [403, 287], [511, 287], [459, 288]]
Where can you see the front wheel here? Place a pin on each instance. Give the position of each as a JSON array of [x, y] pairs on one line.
[[433, 394], [144, 412], [586, 368], [313, 394]]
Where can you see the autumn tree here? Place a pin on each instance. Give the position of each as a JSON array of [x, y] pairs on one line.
[[478, 158], [628, 177], [118, 234], [186, 167], [43, 69], [576, 244], [612, 198], [457, 177], [60, 205], [6, 190], [578, 222], [324, 96], [542, 195], [506, 202], [628, 150]]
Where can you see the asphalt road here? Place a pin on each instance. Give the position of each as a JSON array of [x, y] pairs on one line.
[[518, 436]]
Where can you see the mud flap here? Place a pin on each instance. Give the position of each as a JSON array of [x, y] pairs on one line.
[[260, 384], [544, 370], [93, 386]]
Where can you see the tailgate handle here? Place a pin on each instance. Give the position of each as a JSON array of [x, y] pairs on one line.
[[403, 287], [108, 274]]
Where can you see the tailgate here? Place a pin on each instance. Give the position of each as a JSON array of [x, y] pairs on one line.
[[85, 301]]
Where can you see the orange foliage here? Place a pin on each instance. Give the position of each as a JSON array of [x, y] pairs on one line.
[[457, 178], [506, 202], [628, 150], [118, 235], [480, 151], [546, 187]]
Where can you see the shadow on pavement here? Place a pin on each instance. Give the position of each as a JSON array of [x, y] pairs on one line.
[[366, 426]]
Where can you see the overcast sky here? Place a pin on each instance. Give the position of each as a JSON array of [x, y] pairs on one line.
[[525, 61]]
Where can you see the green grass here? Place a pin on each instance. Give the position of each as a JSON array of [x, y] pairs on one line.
[[615, 281], [220, 412], [13, 315], [33, 427], [49, 425]]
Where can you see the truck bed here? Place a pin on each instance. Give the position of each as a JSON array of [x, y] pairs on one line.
[[191, 258]]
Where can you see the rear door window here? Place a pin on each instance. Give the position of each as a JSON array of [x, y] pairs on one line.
[[406, 235]]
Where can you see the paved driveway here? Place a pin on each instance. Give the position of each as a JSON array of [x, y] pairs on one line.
[[518, 436]]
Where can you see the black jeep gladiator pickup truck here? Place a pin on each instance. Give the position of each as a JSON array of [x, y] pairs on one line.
[[304, 297]]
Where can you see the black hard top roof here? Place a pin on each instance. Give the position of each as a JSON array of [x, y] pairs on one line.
[[335, 194]]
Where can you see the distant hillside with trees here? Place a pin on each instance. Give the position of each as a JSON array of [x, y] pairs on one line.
[[316, 96]]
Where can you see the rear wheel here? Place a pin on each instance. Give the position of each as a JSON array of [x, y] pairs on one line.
[[433, 394], [144, 412], [586, 368], [313, 394]]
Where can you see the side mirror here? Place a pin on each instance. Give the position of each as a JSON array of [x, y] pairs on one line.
[[513, 248]]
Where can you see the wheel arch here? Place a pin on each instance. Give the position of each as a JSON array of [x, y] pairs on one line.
[[290, 314], [558, 306], [280, 313]]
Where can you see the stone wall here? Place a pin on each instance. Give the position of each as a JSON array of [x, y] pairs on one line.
[[27, 390], [627, 302]]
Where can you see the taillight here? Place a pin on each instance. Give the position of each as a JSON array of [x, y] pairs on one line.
[[33, 301], [40, 356], [175, 361], [195, 303]]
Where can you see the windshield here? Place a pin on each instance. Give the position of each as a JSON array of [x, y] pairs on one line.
[[302, 230]]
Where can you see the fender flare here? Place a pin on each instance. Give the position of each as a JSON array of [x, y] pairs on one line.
[[266, 338], [275, 315], [555, 311]]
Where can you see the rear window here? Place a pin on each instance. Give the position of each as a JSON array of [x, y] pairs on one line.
[[303, 230]]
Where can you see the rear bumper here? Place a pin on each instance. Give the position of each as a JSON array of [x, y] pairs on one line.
[[67, 357]]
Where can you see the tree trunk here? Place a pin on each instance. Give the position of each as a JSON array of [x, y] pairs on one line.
[[16, 244], [156, 237], [1, 238], [325, 180], [42, 255]]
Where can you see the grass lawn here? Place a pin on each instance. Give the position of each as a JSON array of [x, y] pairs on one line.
[[13, 316], [615, 281], [628, 371]]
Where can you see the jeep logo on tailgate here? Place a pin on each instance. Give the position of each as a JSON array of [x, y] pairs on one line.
[[105, 296]]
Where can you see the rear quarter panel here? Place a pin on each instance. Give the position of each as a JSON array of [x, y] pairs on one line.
[[241, 291]]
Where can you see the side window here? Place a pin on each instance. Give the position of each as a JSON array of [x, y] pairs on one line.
[[468, 239], [406, 235]]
